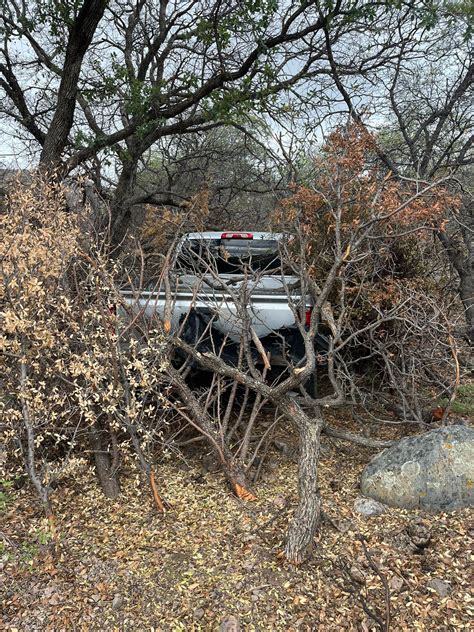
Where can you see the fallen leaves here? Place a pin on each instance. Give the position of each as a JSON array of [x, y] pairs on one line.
[[124, 566]]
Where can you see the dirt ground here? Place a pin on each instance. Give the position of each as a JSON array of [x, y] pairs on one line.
[[122, 566]]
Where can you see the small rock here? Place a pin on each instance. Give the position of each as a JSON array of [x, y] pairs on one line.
[[413, 538], [439, 586], [117, 602], [368, 506], [198, 613], [420, 533], [357, 575], [280, 502], [344, 525], [403, 542], [248, 537], [395, 584], [231, 624]]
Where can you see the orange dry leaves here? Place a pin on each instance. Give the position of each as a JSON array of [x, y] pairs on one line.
[[350, 189]]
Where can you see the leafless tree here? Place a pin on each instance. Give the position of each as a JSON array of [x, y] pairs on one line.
[[242, 177], [425, 95]]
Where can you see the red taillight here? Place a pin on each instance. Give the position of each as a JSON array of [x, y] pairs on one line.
[[307, 316], [237, 236]]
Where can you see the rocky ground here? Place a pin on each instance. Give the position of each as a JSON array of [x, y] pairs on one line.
[[122, 566]]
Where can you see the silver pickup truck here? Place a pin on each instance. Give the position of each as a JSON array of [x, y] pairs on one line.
[[227, 285]]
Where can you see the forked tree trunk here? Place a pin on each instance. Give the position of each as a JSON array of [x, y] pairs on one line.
[[306, 518], [103, 463], [232, 468]]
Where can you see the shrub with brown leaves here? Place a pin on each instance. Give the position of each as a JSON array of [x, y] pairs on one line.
[[73, 382]]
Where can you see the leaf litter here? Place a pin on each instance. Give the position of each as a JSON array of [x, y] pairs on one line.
[[122, 566]]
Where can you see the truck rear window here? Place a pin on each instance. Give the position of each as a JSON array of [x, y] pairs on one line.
[[229, 256]]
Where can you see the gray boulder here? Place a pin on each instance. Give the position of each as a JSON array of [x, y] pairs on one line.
[[433, 471]]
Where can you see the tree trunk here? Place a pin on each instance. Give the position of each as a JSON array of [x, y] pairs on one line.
[[120, 208], [466, 291], [305, 521], [80, 37], [464, 266], [237, 477], [107, 477]]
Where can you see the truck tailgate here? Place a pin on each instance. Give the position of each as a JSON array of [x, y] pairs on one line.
[[266, 300]]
